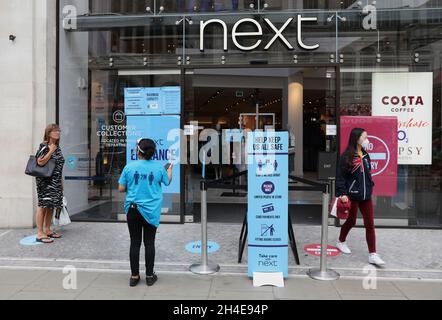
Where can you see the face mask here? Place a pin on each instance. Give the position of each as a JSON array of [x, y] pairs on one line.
[[365, 144]]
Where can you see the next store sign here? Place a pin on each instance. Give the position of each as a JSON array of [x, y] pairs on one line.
[[278, 33]]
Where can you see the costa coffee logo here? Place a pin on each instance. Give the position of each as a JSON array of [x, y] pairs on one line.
[[278, 33], [403, 103]]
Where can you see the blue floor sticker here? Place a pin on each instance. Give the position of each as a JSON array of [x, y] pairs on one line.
[[30, 241], [195, 247]]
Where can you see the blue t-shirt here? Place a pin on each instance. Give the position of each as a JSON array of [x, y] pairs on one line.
[[143, 179]]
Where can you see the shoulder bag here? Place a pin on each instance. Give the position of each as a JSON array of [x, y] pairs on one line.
[[34, 170]]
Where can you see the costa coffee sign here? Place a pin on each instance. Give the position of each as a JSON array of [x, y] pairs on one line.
[[278, 33], [403, 101], [409, 97]]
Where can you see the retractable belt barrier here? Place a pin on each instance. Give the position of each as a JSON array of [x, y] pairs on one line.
[[320, 274]]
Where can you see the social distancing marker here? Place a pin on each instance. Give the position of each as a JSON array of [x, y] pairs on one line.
[[195, 247], [30, 241], [315, 250]]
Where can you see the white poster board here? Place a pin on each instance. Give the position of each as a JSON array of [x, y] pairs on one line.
[[409, 97]]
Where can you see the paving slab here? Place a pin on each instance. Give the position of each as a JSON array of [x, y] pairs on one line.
[[113, 285], [420, 290]]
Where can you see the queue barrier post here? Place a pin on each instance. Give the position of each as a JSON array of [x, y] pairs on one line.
[[205, 267], [323, 273]]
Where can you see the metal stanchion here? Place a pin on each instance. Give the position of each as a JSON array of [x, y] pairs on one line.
[[205, 267], [323, 273]]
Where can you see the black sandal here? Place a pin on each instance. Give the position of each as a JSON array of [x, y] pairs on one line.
[[42, 240], [54, 235]]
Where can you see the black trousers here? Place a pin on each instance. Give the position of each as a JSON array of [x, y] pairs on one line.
[[140, 229]]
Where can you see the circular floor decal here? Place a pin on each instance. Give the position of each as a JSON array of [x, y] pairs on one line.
[[195, 247], [30, 241], [315, 249]]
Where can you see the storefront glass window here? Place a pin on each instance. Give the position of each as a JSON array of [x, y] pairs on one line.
[[403, 42], [117, 44]]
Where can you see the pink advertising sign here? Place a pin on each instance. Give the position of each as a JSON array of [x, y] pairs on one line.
[[383, 149]]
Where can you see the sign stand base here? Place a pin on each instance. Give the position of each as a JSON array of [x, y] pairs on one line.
[[317, 274], [275, 279]]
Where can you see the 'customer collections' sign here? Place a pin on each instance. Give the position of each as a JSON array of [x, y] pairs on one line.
[[409, 97]]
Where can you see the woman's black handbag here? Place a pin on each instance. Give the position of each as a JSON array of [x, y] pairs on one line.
[[34, 170]]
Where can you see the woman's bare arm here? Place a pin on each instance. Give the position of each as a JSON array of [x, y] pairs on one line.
[[169, 172], [44, 159]]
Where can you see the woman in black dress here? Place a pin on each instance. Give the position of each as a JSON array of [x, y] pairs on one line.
[[49, 190]]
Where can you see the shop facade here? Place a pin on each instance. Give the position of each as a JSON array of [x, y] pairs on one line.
[[296, 66]]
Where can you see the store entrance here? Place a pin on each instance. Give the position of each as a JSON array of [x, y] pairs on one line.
[[227, 101]]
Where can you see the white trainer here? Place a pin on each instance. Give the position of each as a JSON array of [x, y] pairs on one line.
[[342, 246], [374, 258]]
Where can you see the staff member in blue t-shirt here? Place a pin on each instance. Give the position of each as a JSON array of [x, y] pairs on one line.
[[142, 181]]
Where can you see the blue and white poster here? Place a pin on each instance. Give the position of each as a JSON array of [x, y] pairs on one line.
[[267, 202], [165, 131], [152, 101]]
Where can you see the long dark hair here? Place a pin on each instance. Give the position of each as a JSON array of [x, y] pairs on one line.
[[351, 149]]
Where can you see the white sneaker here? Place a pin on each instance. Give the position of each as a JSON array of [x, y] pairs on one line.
[[374, 258], [342, 246]]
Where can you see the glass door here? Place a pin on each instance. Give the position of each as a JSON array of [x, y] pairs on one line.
[[152, 106], [221, 103]]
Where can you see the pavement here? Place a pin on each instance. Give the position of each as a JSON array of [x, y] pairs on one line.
[[16, 284], [98, 252]]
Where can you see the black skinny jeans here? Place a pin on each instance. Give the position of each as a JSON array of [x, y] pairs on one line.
[[139, 229]]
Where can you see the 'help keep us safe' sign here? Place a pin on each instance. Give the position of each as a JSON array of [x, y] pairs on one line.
[[383, 149], [268, 144], [267, 209]]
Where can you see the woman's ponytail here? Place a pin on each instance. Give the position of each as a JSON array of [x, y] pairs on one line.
[[147, 148], [149, 153]]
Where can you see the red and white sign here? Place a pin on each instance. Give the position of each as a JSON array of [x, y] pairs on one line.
[[315, 250], [382, 134], [379, 154], [409, 97]]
